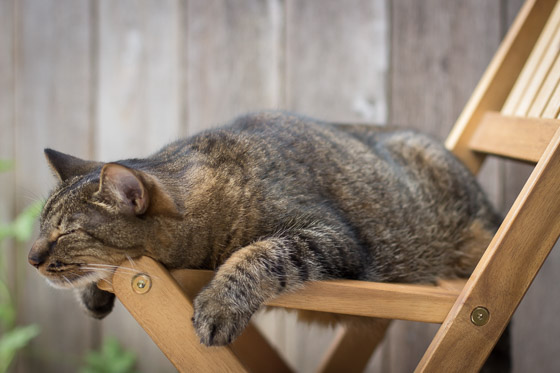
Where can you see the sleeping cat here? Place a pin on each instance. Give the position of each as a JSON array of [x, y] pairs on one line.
[[270, 201]]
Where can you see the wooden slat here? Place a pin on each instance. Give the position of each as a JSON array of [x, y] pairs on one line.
[[547, 89], [496, 83], [165, 312], [386, 300], [347, 297], [513, 137], [352, 348], [394, 301], [529, 76], [552, 109], [542, 69], [504, 273]]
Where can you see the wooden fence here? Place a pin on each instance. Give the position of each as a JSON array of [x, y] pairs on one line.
[[105, 79]]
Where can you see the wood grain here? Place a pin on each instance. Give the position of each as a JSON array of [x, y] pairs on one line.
[[53, 99]]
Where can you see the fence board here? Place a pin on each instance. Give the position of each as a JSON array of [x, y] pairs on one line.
[[52, 103], [439, 51], [7, 117], [233, 59], [138, 111], [337, 59], [336, 69]]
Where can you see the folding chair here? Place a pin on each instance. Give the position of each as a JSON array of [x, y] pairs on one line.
[[512, 113]]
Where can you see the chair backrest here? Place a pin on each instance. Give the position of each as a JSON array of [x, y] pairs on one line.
[[536, 94], [520, 82]]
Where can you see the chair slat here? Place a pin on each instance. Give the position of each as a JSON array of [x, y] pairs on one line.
[[413, 302], [513, 137], [553, 107], [536, 68], [547, 89]]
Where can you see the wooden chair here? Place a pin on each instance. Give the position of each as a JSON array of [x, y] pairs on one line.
[[512, 113]]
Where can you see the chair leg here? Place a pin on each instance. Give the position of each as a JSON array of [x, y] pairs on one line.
[[159, 305], [257, 354], [503, 275], [352, 348]]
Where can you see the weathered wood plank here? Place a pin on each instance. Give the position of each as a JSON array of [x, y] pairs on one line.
[[234, 59], [138, 96], [337, 59], [439, 51], [52, 109], [7, 131], [137, 112]]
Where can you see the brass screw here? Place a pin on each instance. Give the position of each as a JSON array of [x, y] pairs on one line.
[[480, 316], [141, 283]]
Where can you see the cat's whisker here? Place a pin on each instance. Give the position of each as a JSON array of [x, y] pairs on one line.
[[130, 260], [68, 281]]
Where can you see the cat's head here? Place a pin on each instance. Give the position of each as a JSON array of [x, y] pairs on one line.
[[97, 217]]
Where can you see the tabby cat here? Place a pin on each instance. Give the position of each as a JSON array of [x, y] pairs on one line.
[[270, 201]]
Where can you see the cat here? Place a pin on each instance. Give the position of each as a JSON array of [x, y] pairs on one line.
[[269, 201]]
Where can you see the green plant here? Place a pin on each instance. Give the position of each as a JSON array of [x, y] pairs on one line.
[[111, 358], [14, 337]]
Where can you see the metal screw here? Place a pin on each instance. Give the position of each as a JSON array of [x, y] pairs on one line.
[[480, 316], [141, 283]]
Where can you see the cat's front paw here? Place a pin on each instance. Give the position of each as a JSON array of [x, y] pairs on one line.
[[98, 303], [218, 321]]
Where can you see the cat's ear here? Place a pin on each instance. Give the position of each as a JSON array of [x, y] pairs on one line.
[[66, 166], [123, 188]]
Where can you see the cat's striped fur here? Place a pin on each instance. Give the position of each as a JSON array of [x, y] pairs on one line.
[[270, 201]]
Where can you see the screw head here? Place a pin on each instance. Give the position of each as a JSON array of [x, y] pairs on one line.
[[141, 283], [480, 316]]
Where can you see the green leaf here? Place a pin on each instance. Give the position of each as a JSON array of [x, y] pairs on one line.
[[22, 227], [112, 358], [6, 165], [7, 315], [12, 341]]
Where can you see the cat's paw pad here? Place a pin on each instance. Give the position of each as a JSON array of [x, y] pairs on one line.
[[216, 323]]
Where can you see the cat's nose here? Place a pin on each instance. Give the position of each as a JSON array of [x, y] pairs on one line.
[[39, 253]]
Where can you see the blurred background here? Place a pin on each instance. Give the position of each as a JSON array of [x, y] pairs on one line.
[[105, 80]]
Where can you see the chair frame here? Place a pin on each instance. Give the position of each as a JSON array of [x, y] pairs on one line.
[[473, 313]]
